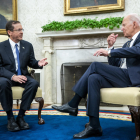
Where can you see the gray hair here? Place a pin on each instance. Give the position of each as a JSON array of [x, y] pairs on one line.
[[135, 17]]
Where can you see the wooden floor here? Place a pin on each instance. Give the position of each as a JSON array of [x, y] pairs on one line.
[[33, 106]]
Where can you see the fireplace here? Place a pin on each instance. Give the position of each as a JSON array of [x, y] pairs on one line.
[[70, 73], [75, 48]]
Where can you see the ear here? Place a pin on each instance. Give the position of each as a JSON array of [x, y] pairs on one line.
[[135, 24], [9, 32]]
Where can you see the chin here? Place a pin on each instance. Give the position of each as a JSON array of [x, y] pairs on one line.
[[125, 35], [20, 39]]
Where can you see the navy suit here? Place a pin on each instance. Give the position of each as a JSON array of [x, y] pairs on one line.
[[8, 69], [100, 75], [132, 56]]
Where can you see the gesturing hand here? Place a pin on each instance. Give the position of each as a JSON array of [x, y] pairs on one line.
[[101, 52], [111, 40], [42, 62], [19, 78]]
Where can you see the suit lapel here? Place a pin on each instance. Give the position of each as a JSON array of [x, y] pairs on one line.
[[22, 51], [137, 40], [9, 52]]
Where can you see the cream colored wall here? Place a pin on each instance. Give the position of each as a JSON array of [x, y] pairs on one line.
[[35, 13], [3, 38]]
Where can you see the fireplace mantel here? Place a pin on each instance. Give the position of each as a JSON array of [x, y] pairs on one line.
[[81, 38], [78, 32], [69, 47]]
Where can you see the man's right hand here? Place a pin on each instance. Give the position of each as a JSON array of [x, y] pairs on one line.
[[111, 40], [19, 78]]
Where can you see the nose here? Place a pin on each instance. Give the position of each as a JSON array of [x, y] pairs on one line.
[[21, 32]]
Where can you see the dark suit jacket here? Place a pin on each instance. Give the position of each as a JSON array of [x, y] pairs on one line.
[[7, 61], [132, 56]]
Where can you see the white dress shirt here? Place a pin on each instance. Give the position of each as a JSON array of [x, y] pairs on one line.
[[131, 44], [13, 47]]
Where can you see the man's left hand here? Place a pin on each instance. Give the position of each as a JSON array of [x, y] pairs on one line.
[[42, 62], [101, 52]]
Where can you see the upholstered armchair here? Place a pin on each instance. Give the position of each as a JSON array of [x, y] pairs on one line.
[[17, 95], [129, 96], [17, 91]]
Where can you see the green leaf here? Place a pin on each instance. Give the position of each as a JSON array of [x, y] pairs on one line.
[[84, 23], [111, 27]]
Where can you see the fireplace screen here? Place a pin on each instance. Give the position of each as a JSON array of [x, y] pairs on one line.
[[70, 74]]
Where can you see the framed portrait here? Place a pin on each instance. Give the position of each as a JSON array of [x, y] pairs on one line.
[[8, 11], [92, 6]]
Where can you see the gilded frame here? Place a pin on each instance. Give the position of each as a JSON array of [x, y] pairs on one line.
[[120, 6], [14, 15]]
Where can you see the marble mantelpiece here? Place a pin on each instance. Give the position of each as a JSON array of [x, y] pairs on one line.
[[71, 46]]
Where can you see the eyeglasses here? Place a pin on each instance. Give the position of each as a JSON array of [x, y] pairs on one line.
[[19, 30]]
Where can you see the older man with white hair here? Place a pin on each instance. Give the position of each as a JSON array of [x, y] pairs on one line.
[[123, 71]]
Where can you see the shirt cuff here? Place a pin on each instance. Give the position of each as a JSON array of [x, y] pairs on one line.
[[12, 77], [109, 50], [109, 54]]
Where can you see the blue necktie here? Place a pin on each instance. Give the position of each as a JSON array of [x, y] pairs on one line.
[[127, 45], [17, 52]]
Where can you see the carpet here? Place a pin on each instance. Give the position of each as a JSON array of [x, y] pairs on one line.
[[63, 127], [81, 112]]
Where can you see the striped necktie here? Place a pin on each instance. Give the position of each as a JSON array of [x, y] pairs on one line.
[[18, 60], [123, 59]]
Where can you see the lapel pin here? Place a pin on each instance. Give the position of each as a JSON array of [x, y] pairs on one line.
[[23, 47]]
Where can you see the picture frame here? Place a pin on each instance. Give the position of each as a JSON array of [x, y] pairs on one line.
[[8, 11], [73, 7]]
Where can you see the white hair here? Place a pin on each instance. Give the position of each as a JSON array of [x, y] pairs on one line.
[[135, 17]]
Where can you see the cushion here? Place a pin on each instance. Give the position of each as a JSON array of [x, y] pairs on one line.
[[17, 92], [3, 38], [124, 96]]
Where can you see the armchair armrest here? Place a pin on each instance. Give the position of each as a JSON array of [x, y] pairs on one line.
[[32, 73]]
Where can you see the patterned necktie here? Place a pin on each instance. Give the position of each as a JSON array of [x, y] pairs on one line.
[[17, 52], [127, 45]]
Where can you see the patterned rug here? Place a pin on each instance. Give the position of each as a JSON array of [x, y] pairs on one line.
[[82, 112], [61, 126]]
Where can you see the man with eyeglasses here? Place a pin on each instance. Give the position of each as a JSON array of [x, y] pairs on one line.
[[15, 56]]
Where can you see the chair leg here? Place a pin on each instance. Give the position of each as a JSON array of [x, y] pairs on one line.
[[41, 103], [17, 102], [135, 113]]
